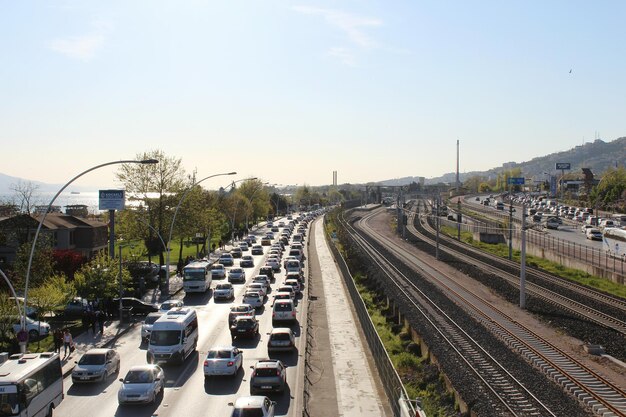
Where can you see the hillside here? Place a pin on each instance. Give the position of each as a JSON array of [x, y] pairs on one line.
[[597, 155]]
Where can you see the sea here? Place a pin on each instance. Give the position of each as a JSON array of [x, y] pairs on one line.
[[66, 198]]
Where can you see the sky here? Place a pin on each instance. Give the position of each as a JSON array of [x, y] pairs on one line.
[[291, 91]]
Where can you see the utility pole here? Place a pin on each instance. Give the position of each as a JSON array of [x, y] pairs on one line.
[[510, 224], [458, 218], [522, 270], [437, 217]]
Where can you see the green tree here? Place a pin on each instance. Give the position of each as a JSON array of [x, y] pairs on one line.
[[163, 179], [8, 316], [611, 191], [42, 266], [99, 278]]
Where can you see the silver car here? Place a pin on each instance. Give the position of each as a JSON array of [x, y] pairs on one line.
[[223, 360], [142, 384], [96, 365], [236, 275], [224, 291], [146, 327], [260, 406]]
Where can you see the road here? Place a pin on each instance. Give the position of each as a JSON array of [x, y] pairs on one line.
[[186, 392]]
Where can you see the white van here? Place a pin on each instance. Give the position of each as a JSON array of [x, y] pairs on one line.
[[174, 336]]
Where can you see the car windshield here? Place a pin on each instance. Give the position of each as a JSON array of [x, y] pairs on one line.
[[165, 337], [92, 359], [247, 412], [139, 377], [151, 319], [223, 287], [218, 354], [193, 275]]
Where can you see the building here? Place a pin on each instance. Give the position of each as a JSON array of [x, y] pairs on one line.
[[66, 232]]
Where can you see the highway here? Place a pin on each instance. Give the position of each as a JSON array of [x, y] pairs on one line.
[[186, 392]]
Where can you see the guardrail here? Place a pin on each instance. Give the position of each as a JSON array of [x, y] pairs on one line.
[[391, 380]]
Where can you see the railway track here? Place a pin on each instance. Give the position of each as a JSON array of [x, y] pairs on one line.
[[507, 396], [602, 396], [595, 306]]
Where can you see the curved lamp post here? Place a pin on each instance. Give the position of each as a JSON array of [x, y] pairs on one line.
[[32, 249], [168, 249]]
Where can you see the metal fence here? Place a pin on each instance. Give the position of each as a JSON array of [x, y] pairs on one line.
[[391, 380], [593, 257]]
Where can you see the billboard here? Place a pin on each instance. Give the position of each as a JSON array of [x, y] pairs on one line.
[[563, 165]]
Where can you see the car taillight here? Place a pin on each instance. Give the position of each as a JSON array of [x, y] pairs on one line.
[[230, 363], [293, 313], [206, 363], [277, 373]]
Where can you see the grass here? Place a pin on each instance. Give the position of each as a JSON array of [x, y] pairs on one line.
[[555, 268], [135, 249]]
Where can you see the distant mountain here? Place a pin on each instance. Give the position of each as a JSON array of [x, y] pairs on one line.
[[7, 181], [597, 156]]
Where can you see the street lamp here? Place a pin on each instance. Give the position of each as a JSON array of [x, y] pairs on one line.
[[168, 248], [43, 217]]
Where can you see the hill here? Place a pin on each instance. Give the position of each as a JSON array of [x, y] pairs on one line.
[[598, 156]]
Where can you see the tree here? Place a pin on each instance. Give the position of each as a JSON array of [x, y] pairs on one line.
[[67, 262], [42, 266], [611, 191], [8, 316], [25, 195], [99, 278], [52, 295], [164, 179]]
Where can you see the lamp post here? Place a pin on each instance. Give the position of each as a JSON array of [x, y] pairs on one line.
[[169, 239], [43, 217]]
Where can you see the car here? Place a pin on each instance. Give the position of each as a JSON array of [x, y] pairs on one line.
[[33, 327], [76, 307], [31, 311], [266, 241], [236, 252], [247, 261], [138, 306], [288, 259], [552, 223], [586, 227], [281, 224], [226, 259], [169, 304], [268, 271], [269, 225], [264, 279], [149, 271], [218, 271], [222, 360], [293, 283], [283, 295], [244, 326], [283, 310], [96, 365], [237, 275], [146, 327], [274, 263], [257, 250], [281, 339], [224, 291], [268, 375], [244, 247], [253, 298], [275, 229], [289, 289], [237, 310], [270, 235], [594, 234], [259, 287], [142, 384], [295, 275]]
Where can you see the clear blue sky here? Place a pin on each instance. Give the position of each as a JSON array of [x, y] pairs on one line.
[[290, 91]]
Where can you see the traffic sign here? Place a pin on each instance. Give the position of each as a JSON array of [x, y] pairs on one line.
[[22, 336], [563, 165], [516, 180]]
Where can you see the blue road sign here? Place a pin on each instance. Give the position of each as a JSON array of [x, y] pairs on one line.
[[516, 180]]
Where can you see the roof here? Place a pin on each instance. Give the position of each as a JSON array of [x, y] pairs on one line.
[[96, 351], [250, 401]]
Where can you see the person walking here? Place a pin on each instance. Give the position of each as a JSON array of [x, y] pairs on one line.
[[57, 337], [68, 342], [100, 318]]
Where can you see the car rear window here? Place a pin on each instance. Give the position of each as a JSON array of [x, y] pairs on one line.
[[280, 336], [282, 307], [218, 354], [265, 372]]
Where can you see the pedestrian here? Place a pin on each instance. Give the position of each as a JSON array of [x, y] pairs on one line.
[[68, 342], [100, 318], [57, 337], [92, 321], [85, 321]]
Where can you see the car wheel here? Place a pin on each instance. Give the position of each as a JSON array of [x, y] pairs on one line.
[[117, 368], [33, 334], [50, 411]]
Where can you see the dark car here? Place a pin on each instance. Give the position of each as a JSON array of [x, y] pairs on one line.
[[76, 307], [149, 271], [236, 252], [138, 306], [268, 375], [244, 326], [268, 271]]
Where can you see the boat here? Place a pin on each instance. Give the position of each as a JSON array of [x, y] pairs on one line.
[[75, 192]]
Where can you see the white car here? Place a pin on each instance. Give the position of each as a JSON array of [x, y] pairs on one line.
[[263, 279], [224, 291], [222, 360], [146, 327], [142, 384], [293, 283], [33, 327], [257, 287], [283, 310], [236, 275], [256, 405], [253, 298], [218, 271], [96, 365], [274, 263]]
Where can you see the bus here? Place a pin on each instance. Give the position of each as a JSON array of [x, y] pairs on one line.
[[31, 384], [197, 276]]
